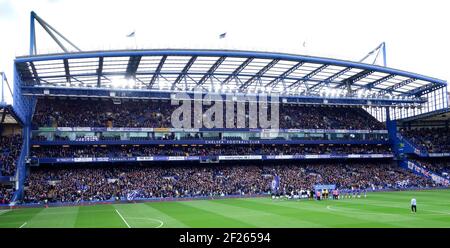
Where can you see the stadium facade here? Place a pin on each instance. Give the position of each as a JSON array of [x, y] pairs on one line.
[[128, 79]]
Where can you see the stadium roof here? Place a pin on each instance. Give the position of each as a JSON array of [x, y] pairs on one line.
[[219, 71], [7, 115], [441, 115]]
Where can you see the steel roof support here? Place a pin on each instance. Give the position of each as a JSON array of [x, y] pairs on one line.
[[238, 70], [331, 78], [285, 74], [32, 74], [24, 71], [4, 81], [35, 74], [133, 64], [99, 72], [165, 94], [379, 81], [397, 86], [50, 31], [382, 48], [355, 78], [33, 48], [422, 90], [2, 85], [211, 70], [3, 115], [158, 71], [184, 71], [309, 75], [66, 69], [240, 54], [259, 73], [175, 74]]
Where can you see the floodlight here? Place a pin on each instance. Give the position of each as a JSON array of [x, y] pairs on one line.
[[119, 82]]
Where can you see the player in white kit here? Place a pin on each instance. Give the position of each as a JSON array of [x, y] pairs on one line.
[[413, 205]]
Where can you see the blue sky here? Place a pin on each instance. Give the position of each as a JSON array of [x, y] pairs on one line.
[[416, 32]]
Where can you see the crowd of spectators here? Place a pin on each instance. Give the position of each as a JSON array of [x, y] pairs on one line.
[[440, 166], [10, 147], [200, 136], [311, 117], [208, 150], [157, 114], [119, 182], [434, 140], [6, 194]]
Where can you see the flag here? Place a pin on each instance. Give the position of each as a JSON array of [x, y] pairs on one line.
[[131, 34], [275, 183], [132, 195], [222, 36]]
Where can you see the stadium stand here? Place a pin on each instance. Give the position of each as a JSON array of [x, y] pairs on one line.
[[10, 147], [117, 104], [210, 150], [77, 184], [440, 166], [434, 140], [6, 193], [89, 113]]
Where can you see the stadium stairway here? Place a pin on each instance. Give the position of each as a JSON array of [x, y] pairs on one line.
[[403, 147], [406, 146], [399, 144]]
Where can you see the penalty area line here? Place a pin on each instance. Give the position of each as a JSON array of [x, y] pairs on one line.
[[126, 223], [161, 223], [24, 224]]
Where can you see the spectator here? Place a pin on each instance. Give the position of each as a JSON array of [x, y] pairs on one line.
[[10, 147]]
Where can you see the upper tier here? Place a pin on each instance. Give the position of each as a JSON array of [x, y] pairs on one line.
[[157, 114]]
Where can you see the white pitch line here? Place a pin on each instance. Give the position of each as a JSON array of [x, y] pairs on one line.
[[24, 224], [4, 211], [351, 211], [161, 223], [126, 223]]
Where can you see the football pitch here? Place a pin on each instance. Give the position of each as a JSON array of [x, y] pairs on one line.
[[383, 209]]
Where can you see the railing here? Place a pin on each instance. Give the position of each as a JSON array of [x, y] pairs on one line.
[[413, 148], [102, 135], [211, 142], [221, 158]]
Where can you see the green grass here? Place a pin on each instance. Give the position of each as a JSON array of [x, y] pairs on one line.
[[387, 209]]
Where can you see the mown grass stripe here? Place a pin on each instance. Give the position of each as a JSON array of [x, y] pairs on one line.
[[384, 209], [251, 216], [195, 217]]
